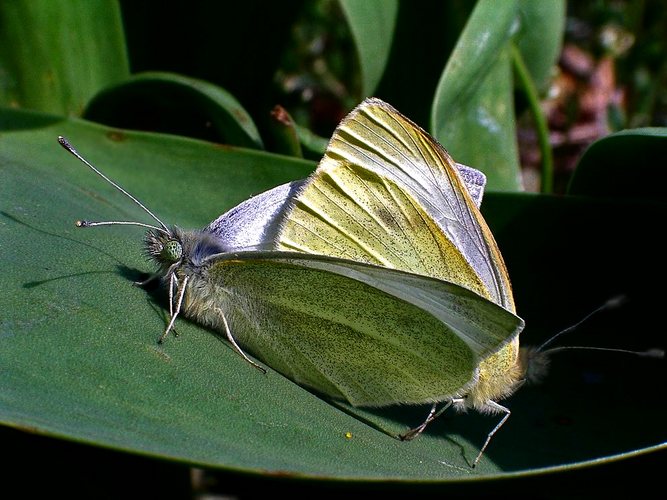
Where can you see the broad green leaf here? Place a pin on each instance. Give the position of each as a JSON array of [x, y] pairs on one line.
[[78, 348], [167, 102], [56, 54], [627, 164], [372, 25], [473, 115], [540, 37]]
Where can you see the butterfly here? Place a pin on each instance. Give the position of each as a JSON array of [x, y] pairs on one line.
[[374, 281]]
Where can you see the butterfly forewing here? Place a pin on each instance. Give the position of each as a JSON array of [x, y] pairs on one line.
[[396, 190], [356, 214]]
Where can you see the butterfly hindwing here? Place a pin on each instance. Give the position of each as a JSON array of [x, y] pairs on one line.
[[371, 336]]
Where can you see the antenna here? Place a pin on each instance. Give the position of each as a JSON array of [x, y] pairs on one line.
[[609, 304], [536, 360], [649, 353], [164, 229]]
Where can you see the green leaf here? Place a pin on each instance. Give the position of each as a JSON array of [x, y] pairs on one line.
[[78, 349], [55, 55], [167, 102], [472, 114], [540, 37], [627, 164], [372, 24]]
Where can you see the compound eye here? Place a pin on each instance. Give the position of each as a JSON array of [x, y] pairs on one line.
[[172, 251]]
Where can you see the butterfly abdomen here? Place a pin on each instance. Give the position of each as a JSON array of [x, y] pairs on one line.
[[499, 376]]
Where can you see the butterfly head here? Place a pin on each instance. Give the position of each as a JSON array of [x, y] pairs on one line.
[[165, 248], [176, 248]]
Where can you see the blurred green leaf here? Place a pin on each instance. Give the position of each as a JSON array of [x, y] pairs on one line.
[[168, 102], [55, 54], [627, 164], [372, 25], [78, 342], [473, 112], [540, 37]]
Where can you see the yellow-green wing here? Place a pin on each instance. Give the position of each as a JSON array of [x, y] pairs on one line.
[[368, 335], [387, 193], [349, 212]]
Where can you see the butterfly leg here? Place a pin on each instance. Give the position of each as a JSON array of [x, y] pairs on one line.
[[496, 408], [174, 312], [413, 433], [173, 282], [228, 334]]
